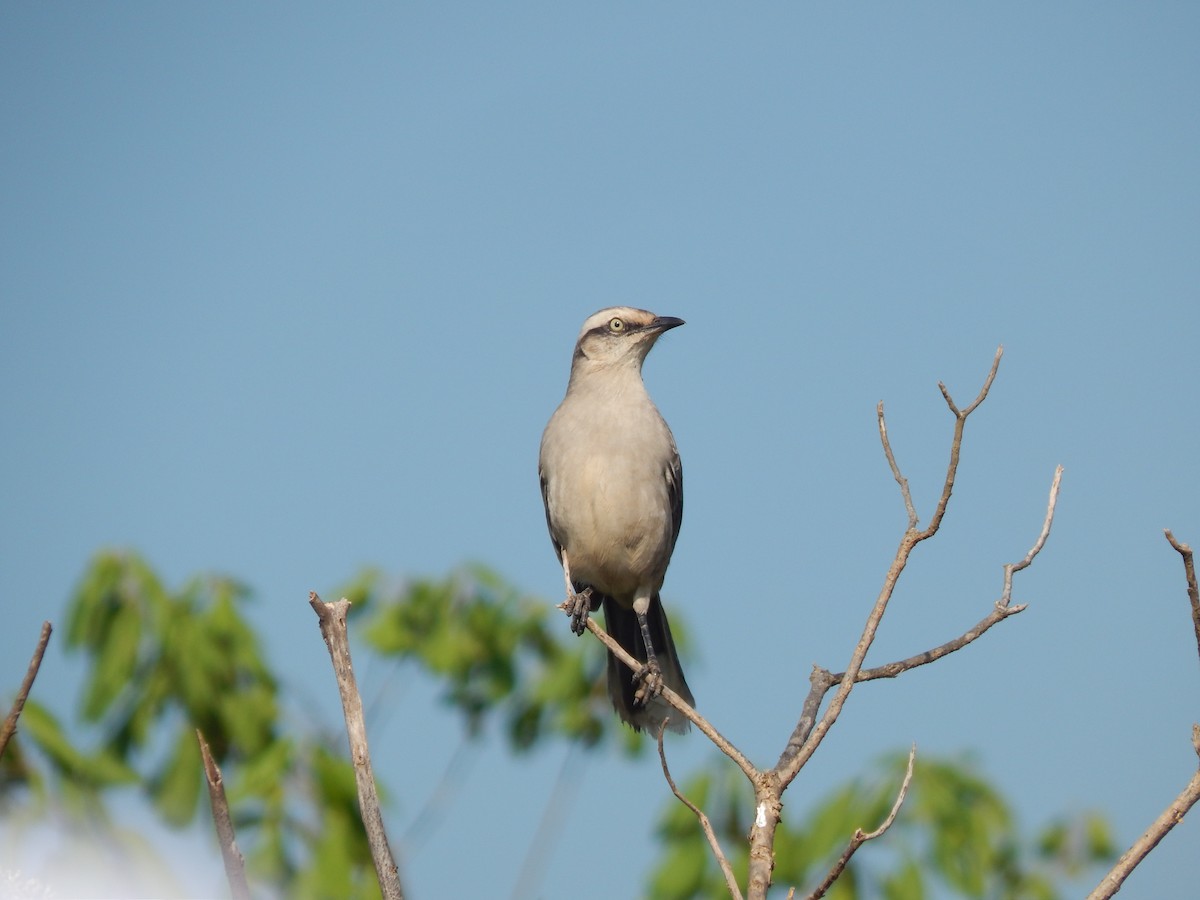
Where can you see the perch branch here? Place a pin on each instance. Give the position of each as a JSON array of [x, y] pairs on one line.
[[726, 869], [332, 618], [677, 702], [235, 865], [10, 722], [861, 837]]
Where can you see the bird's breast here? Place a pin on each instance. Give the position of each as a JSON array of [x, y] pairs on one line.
[[612, 511]]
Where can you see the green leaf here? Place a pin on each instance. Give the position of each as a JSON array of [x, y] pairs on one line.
[[177, 788]]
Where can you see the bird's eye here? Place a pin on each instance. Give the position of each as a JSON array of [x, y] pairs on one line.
[[616, 325]]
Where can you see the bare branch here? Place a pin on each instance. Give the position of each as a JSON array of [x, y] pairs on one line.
[[10, 722], [822, 680], [987, 385], [1189, 569], [960, 421], [678, 702], [235, 865], [891, 458], [891, 670], [1009, 569], [1171, 816], [860, 837], [796, 755], [726, 869], [332, 617], [1187, 798]]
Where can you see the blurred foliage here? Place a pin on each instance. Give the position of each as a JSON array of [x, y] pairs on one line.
[[495, 653], [161, 663], [954, 836]]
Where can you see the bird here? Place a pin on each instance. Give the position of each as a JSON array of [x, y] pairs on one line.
[[612, 486]]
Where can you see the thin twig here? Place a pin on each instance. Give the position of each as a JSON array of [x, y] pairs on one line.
[[715, 845], [1006, 596], [10, 722], [891, 670], [797, 753], [235, 865], [861, 837], [332, 617], [960, 421], [822, 680], [905, 493], [1189, 569], [1170, 817]]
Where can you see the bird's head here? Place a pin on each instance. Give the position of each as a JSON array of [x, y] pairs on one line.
[[620, 336]]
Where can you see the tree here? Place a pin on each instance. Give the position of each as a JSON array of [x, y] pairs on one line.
[[164, 665], [496, 655]]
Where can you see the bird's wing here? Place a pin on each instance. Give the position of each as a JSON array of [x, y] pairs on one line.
[[546, 506], [674, 475]]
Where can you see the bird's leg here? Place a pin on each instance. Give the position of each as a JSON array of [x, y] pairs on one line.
[[649, 677], [577, 605]]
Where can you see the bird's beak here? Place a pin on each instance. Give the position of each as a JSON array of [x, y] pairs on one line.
[[664, 323]]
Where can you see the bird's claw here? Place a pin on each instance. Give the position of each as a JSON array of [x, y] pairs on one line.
[[649, 680], [578, 605]]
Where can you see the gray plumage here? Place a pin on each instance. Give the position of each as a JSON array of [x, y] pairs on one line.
[[612, 485]]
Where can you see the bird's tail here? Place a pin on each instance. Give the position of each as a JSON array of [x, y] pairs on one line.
[[622, 624]]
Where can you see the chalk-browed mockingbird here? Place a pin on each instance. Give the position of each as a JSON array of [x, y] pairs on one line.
[[613, 489]]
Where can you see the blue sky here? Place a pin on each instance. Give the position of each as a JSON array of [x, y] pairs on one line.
[[286, 290]]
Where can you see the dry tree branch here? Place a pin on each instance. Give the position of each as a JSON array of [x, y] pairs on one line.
[[10, 722], [891, 458], [1011, 568], [811, 730], [893, 669], [1170, 817], [715, 845], [1189, 570], [822, 679], [960, 421], [235, 865], [799, 752], [770, 786], [860, 837], [332, 617], [1173, 814]]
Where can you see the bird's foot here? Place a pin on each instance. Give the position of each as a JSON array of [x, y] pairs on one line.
[[578, 605], [649, 681]]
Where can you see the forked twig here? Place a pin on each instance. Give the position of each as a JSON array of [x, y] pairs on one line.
[[822, 680], [807, 737]]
